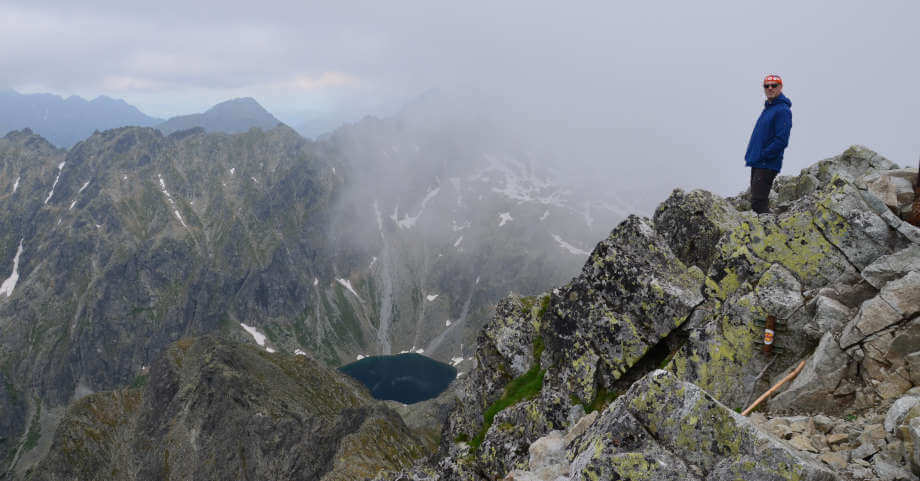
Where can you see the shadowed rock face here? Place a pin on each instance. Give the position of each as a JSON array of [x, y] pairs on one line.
[[213, 409], [407, 378]]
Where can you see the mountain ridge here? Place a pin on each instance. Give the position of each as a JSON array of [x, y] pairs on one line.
[[66, 121]]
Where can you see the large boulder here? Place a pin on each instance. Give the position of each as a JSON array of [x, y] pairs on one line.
[[666, 429]]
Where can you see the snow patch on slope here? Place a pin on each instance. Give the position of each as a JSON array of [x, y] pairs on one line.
[[10, 283], [347, 284], [504, 218], [56, 179], [258, 336], [520, 183], [407, 221], [569, 247], [16, 184]]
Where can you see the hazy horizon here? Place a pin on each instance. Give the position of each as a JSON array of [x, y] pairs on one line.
[[640, 96]]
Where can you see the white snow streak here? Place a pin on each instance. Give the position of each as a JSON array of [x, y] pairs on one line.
[[179, 216], [73, 204], [408, 222], [544, 216], [504, 218], [232, 170], [360, 357], [171, 201], [84, 187], [56, 179], [254, 180], [457, 244], [431, 297], [347, 284], [16, 184], [379, 218], [10, 283], [447, 323], [569, 247], [454, 226], [373, 261], [315, 281], [258, 336], [298, 352], [454, 361]]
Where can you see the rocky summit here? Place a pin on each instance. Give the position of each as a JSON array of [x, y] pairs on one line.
[[639, 367]]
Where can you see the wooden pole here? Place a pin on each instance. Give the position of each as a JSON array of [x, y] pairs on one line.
[[773, 389]]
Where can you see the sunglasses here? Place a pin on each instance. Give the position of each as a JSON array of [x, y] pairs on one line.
[[770, 86]]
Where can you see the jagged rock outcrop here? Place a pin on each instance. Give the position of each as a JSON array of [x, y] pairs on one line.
[[688, 291], [213, 409], [665, 429]]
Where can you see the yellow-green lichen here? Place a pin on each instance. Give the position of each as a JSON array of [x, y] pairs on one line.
[[633, 466]]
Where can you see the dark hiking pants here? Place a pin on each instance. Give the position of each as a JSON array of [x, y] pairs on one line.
[[761, 183]]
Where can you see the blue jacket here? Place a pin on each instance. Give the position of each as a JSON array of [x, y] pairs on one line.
[[771, 135]]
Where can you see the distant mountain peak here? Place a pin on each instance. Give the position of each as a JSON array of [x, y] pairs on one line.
[[231, 116], [66, 121]]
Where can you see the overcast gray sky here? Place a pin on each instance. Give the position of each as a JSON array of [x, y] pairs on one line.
[[666, 89]]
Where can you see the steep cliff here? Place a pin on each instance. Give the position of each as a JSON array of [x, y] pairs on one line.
[[687, 291]]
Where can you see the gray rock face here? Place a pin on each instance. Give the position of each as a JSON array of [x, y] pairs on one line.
[[891, 267], [666, 429], [631, 294]]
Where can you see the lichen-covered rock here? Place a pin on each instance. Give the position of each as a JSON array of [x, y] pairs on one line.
[[631, 294], [690, 291], [663, 428], [504, 352], [854, 163], [868, 361], [692, 224], [762, 268]]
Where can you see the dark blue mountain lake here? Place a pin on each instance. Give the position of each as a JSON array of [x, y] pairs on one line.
[[407, 378]]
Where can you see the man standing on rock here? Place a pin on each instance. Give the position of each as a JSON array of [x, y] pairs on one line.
[[770, 137]]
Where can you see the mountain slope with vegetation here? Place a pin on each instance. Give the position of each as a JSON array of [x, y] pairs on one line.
[[133, 240]]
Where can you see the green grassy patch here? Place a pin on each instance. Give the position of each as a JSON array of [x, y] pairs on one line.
[[139, 381], [35, 430], [524, 387]]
